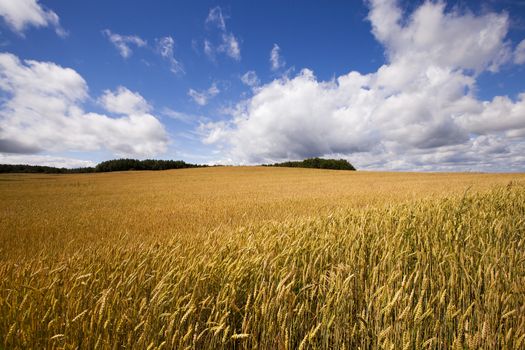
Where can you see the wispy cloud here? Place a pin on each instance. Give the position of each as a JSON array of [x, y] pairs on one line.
[[250, 79], [209, 49], [124, 43], [519, 53], [180, 116], [276, 61], [202, 97], [215, 17], [230, 46], [165, 47], [228, 43]]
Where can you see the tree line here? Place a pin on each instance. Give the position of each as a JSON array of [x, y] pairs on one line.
[[106, 166], [126, 164], [147, 164], [317, 163]]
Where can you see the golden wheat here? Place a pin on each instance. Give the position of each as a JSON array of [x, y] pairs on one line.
[[262, 258]]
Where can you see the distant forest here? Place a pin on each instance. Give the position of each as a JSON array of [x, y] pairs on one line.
[[152, 164], [107, 166], [317, 163]]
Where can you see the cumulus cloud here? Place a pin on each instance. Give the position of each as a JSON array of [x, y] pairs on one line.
[[499, 115], [124, 101], [276, 61], [42, 112], [250, 79], [165, 48], [124, 43], [228, 43], [417, 111], [456, 40], [21, 14], [202, 97]]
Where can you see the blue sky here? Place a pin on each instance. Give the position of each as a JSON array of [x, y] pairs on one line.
[[388, 85]]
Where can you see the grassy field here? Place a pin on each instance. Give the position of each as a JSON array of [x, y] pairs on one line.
[[270, 258]]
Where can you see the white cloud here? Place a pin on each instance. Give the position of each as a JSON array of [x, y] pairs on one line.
[[165, 47], [123, 43], [124, 101], [455, 40], [215, 17], [230, 46], [42, 112], [21, 14], [250, 79], [180, 116], [209, 50], [499, 115], [228, 43], [45, 160], [519, 53], [418, 111], [202, 97], [276, 60]]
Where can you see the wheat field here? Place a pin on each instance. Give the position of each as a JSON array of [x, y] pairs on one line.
[[262, 258]]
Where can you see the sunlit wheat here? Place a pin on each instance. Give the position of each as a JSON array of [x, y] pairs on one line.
[[115, 267]]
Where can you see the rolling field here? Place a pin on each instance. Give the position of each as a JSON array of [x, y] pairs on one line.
[[262, 258]]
